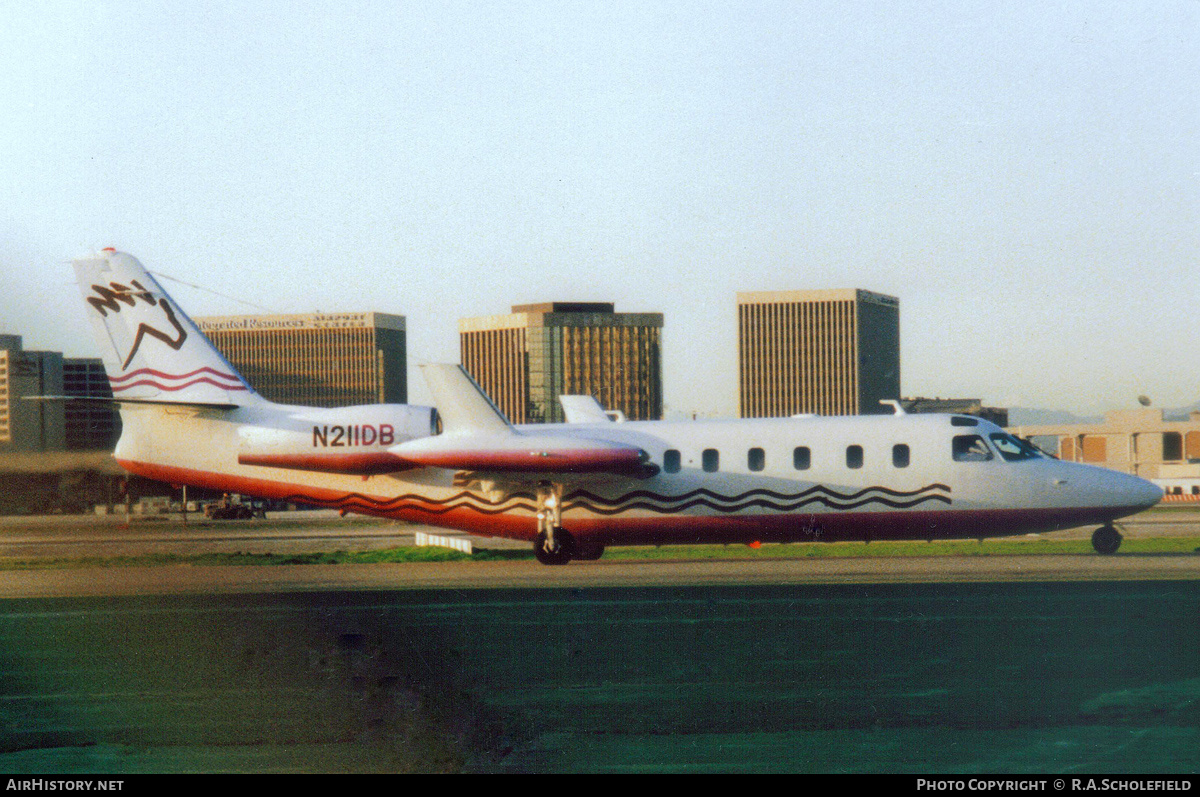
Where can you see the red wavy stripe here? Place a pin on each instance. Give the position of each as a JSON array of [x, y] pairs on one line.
[[173, 388], [140, 371]]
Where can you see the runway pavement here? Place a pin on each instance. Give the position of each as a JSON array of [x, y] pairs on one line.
[[756, 665], [320, 531], [920, 678], [36, 536], [194, 580], [303, 532]]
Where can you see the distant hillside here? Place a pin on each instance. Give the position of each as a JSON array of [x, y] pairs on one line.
[[1181, 413], [1026, 416]]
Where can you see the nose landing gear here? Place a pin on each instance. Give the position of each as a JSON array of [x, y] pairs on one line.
[[1106, 539]]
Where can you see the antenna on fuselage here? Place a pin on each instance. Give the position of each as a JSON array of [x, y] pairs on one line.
[[895, 405]]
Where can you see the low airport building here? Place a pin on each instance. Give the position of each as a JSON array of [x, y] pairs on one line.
[[1142, 442]]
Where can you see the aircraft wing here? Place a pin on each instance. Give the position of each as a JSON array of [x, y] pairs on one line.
[[521, 453], [477, 437]]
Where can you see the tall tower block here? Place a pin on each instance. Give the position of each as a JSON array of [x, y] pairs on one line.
[[831, 352]]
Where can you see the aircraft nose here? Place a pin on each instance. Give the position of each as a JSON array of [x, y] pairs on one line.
[[1135, 491]]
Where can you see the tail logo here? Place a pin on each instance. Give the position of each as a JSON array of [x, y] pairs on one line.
[[112, 297]]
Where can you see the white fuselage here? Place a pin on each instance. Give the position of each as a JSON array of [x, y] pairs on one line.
[[789, 479], [190, 418]]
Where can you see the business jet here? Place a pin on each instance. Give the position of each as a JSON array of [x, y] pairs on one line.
[[573, 489]]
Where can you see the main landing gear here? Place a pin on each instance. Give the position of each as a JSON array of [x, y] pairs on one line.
[[554, 545], [1106, 539], [554, 548]]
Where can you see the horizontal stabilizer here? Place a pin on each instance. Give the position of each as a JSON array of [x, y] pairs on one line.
[[165, 402]]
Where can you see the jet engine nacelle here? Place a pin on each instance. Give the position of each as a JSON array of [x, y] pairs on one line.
[[352, 440]]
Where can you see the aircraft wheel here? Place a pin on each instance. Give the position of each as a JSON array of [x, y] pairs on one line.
[[1106, 540], [562, 553]]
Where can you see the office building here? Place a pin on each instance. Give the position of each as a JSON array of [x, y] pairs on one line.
[[316, 359], [525, 360], [29, 425], [89, 425], [826, 352]]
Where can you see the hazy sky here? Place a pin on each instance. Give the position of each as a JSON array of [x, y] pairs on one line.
[[1025, 177]]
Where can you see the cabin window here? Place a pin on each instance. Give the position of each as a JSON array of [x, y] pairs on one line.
[[710, 460], [854, 457], [756, 459], [801, 458], [970, 448], [900, 455], [671, 461], [963, 420]]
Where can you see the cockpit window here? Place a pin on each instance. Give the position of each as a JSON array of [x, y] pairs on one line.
[[970, 448], [1012, 448]]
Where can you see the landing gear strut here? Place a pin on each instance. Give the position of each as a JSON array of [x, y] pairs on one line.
[[1106, 540], [553, 545]]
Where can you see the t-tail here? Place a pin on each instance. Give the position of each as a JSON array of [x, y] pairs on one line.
[[152, 351]]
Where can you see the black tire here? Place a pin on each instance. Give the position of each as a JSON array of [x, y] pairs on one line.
[[561, 555], [1106, 540], [588, 552]]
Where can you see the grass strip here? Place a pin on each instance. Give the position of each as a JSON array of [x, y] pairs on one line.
[[995, 547], [383, 556]]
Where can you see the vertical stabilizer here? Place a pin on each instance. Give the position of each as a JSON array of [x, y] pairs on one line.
[[151, 350]]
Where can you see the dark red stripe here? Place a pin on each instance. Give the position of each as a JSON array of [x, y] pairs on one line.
[[164, 375], [364, 464], [174, 388], [667, 529]]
